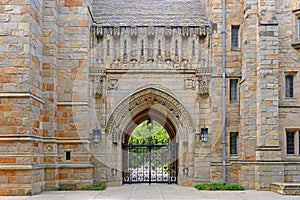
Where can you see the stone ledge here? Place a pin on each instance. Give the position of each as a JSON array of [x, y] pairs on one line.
[[286, 188], [296, 44]]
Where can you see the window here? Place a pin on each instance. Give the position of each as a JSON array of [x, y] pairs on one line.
[[298, 20], [234, 143], [292, 142], [235, 32], [107, 48], [68, 155], [142, 48], [233, 91], [125, 48], [176, 48], [159, 48], [296, 29], [289, 86], [193, 48]]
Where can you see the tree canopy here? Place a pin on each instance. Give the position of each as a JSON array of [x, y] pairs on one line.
[[142, 135]]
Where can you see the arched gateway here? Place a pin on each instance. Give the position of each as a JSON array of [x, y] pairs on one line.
[[161, 160]]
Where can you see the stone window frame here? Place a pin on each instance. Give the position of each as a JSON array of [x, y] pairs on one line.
[[289, 74], [70, 156], [289, 86], [296, 141], [125, 53], [233, 143], [159, 47], [176, 48], [296, 31], [235, 36], [142, 48], [107, 47], [236, 99]]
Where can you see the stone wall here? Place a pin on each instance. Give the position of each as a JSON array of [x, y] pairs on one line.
[[21, 97], [72, 114]]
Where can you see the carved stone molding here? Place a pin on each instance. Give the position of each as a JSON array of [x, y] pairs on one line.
[[117, 31], [98, 86], [168, 32], [134, 31], [204, 81], [101, 31], [97, 71], [112, 84], [148, 98], [151, 31], [189, 83]]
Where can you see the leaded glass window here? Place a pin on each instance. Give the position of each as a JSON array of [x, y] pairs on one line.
[[289, 86], [235, 32], [233, 90], [290, 142]]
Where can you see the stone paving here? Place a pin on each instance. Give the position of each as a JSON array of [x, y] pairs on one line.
[[156, 192]]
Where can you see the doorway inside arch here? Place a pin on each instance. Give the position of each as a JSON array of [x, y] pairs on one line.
[[149, 156]]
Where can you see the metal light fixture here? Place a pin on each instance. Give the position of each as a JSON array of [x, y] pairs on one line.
[[150, 123], [114, 172], [96, 135], [185, 171], [204, 133]]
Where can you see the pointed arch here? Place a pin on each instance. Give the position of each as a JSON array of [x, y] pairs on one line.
[[157, 103]]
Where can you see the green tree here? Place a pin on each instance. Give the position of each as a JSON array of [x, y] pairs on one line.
[[142, 135]]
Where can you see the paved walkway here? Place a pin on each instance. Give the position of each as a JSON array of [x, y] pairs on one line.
[[155, 191]]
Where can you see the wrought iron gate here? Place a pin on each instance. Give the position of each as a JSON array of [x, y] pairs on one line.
[[150, 163]]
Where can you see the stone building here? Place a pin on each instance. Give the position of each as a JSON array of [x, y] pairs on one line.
[[70, 69]]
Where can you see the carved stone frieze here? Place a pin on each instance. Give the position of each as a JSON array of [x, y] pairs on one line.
[[101, 31]]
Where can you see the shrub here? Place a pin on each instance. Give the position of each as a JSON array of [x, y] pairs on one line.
[[218, 186], [95, 186]]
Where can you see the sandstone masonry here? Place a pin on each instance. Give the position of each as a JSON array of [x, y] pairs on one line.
[[70, 66]]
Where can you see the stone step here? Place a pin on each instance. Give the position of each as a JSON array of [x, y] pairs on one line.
[[286, 188]]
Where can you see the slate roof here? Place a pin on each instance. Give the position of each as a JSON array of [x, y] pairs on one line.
[[149, 13]]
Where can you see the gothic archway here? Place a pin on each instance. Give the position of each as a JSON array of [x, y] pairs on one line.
[[164, 107]]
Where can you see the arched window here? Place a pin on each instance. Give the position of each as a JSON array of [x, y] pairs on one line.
[[159, 48], [107, 48], [142, 48], [176, 48]]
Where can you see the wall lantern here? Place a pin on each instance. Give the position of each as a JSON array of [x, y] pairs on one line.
[[185, 171], [114, 172], [203, 135], [96, 135]]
